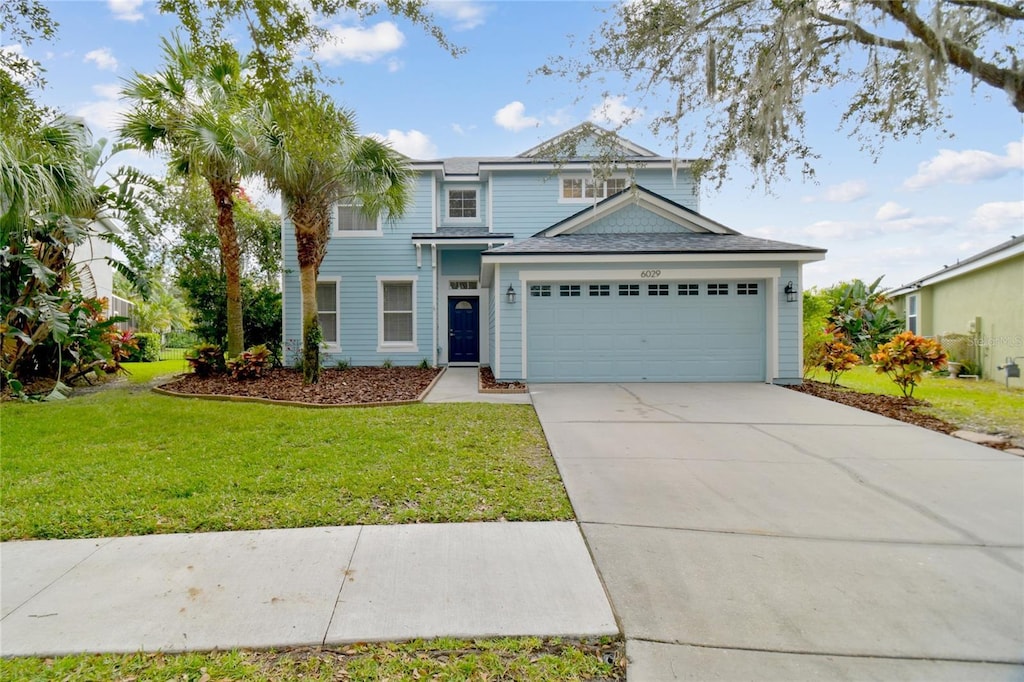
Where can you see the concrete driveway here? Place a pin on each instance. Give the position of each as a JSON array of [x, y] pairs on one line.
[[745, 531]]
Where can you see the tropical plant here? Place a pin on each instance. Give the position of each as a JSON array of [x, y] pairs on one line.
[[838, 358], [862, 315], [906, 358], [250, 364], [192, 109], [738, 74], [49, 207], [311, 152], [206, 359]]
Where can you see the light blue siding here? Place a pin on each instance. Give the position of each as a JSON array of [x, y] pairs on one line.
[[631, 219], [790, 339], [460, 263], [359, 261]]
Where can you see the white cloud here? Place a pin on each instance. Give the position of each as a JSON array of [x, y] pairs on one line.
[[466, 14], [103, 58], [413, 144], [847, 230], [560, 119], [999, 215], [360, 44], [513, 117], [890, 210], [103, 115], [125, 10], [966, 167], [843, 193], [395, 64], [613, 110]]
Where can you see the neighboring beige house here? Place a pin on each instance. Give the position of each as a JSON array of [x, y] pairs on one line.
[[981, 297]]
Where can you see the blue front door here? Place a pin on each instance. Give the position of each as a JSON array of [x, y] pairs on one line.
[[464, 329]]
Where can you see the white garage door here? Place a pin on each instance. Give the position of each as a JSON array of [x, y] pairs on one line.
[[642, 331]]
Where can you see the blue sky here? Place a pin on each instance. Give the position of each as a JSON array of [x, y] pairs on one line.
[[923, 204]]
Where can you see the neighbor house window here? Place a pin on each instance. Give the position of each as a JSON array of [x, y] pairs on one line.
[[397, 301], [912, 313], [584, 188], [327, 309], [349, 220], [462, 203]]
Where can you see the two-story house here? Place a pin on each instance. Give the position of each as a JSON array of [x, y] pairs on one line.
[[550, 273]]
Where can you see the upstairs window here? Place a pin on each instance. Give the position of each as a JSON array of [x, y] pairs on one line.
[[582, 188], [349, 219], [462, 203]]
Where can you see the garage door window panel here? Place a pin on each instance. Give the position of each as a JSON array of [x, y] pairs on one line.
[[629, 290], [718, 289]]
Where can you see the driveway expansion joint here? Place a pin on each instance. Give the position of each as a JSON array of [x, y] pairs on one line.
[[829, 654]]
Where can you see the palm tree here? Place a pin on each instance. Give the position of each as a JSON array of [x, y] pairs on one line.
[[194, 110], [312, 153]]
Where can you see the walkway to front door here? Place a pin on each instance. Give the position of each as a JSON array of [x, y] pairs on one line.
[[464, 329]]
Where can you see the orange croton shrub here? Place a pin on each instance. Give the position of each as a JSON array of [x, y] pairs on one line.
[[906, 358]]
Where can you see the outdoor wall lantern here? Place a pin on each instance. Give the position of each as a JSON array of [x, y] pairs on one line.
[[790, 292], [510, 294]]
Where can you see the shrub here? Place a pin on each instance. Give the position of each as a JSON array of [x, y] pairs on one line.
[[123, 345], [425, 364], [906, 358], [147, 349], [206, 359], [180, 340], [387, 364], [251, 363], [837, 358], [344, 363]]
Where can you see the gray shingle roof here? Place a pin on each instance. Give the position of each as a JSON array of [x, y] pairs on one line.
[[462, 233], [647, 242]]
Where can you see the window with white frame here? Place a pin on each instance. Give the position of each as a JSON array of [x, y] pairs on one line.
[[912, 313], [327, 310], [580, 188], [397, 312], [462, 203], [350, 220]]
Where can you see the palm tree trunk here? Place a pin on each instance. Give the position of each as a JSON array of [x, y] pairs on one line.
[[223, 194], [312, 230]]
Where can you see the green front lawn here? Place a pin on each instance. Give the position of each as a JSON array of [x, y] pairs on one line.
[[986, 406], [124, 462], [528, 659], [144, 372]]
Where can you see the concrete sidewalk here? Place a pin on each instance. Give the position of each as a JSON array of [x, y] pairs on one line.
[[309, 586], [461, 385]]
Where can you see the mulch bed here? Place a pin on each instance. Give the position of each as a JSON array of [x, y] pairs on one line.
[[489, 383], [336, 386], [894, 407]]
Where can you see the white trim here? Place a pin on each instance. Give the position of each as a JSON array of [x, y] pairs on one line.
[[348, 234], [461, 241], [331, 347], [800, 320], [574, 259], [396, 346], [433, 204], [284, 276], [448, 217], [497, 320], [667, 274], [522, 329], [529, 165], [434, 275], [771, 329]]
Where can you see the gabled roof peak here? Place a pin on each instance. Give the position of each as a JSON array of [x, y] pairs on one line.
[[569, 142]]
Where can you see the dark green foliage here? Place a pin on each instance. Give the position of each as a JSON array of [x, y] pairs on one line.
[[149, 347], [206, 359], [180, 340], [861, 313], [251, 363]]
